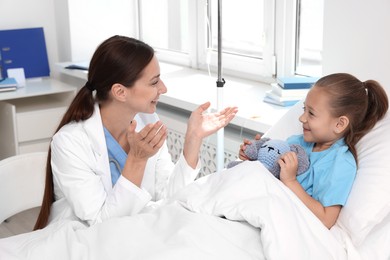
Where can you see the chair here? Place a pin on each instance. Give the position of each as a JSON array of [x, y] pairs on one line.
[[22, 180]]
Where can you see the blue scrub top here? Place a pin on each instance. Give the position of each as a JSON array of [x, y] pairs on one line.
[[116, 155], [331, 174]]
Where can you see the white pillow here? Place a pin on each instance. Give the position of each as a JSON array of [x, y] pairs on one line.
[[376, 244], [287, 125], [369, 202]]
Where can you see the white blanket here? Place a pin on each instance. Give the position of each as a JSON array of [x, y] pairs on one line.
[[239, 213]]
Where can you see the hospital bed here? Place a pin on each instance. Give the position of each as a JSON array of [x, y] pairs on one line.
[[238, 213]]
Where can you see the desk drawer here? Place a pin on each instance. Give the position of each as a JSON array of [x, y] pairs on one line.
[[38, 124]]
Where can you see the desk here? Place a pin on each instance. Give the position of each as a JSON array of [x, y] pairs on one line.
[[30, 115]]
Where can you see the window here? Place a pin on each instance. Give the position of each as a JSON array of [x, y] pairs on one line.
[[309, 37], [236, 36], [257, 35], [164, 24], [247, 37], [185, 32], [298, 37], [261, 38]]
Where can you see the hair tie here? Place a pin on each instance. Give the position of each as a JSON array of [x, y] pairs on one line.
[[89, 86], [365, 87]]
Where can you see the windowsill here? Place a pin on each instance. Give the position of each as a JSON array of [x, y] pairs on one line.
[[188, 88]]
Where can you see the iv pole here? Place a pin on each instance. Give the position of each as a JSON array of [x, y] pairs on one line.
[[220, 84]]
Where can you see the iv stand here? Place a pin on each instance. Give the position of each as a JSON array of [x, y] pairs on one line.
[[220, 84]]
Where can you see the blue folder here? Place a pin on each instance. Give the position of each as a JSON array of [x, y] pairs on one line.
[[24, 48]]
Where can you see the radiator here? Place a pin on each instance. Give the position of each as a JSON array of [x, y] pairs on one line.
[[208, 152], [176, 122]]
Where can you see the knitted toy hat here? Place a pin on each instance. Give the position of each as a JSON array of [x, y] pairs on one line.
[[268, 151]]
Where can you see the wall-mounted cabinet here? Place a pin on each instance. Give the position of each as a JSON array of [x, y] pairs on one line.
[[30, 115]]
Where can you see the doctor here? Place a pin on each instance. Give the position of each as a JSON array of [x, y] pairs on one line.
[[108, 157]]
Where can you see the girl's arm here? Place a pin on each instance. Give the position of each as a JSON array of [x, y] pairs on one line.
[[288, 170]]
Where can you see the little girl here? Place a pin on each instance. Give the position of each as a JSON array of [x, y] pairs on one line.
[[338, 111]]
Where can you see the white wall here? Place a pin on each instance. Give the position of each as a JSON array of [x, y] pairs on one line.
[[357, 39], [72, 28], [61, 11], [17, 14]]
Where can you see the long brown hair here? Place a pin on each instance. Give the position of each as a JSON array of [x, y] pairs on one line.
[[118, 59], [364, 103]]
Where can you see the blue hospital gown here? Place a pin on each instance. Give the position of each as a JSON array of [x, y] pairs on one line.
[[331, 174]]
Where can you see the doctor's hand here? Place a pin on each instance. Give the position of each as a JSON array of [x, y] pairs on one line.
[[148, 141], [202, 124], [142, 146], [241, 153]]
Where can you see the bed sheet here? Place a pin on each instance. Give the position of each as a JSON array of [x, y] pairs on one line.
[[239, 213], [169, 232]]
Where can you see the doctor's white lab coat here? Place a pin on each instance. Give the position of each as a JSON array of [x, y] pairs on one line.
[[82, 178]]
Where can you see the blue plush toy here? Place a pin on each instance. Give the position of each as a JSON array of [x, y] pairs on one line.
[[268, 152]]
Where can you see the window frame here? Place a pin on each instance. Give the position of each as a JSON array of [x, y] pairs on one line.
[[237, 65], [285, 36], [279, 51]]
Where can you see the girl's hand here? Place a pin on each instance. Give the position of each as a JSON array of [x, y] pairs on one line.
[[288, 167], [147, 142], [201, 124], [241, 153]]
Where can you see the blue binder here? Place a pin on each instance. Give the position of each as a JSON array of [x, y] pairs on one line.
[[24, 48]]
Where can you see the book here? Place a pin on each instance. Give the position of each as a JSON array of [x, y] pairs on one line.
[[278, 98], [8, 84], [280, 103], [296, 82], [278, 90], [78, 66]]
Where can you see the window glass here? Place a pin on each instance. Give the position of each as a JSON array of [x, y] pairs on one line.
[[164, 24], [185, 32], [309, 37], [242, 27]]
